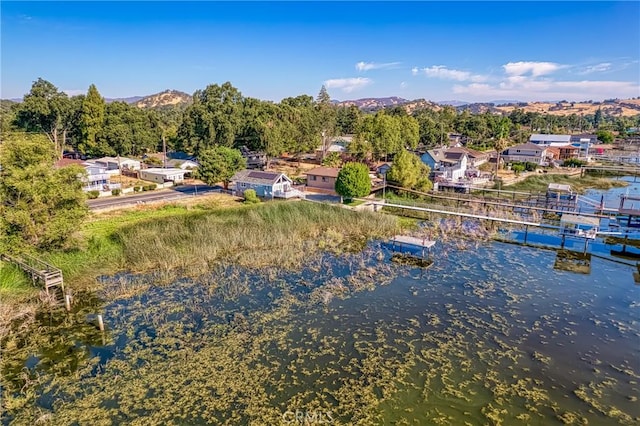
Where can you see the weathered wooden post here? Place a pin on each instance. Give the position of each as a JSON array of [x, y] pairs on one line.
[[100, 323], [67, 302]]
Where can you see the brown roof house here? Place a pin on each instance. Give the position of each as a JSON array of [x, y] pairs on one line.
[[322, 178]]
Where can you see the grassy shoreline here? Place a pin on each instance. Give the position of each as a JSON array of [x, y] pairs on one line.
[[539, 183], [178, 239]]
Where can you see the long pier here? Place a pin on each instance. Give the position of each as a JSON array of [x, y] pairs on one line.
[[41, 272]]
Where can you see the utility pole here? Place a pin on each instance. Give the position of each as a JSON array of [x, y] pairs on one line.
[[164, 152]]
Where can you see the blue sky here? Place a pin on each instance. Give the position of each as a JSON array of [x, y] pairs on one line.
[[472, 51]]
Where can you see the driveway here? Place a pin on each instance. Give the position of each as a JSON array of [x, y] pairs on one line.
[[169, 194]]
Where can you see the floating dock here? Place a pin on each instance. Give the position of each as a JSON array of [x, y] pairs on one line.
[[412, 241]]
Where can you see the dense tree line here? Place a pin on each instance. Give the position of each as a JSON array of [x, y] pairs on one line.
[[221, 116]]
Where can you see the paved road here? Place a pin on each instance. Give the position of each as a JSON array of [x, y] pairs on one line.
[[168, 194]]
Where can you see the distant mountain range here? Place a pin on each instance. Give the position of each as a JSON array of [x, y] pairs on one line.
[[613, 107]]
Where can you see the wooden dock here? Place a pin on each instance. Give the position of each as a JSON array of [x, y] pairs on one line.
[[413, 241], [41, 273]]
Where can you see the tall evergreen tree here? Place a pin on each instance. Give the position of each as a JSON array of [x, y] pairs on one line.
[[92, 122], [326, 116]]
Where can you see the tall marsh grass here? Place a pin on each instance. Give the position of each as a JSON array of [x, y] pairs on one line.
[[13, 280], [539, 183], [277, 234]]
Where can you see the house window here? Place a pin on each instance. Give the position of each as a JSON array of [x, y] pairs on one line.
[[324, 179], [313, 178], [243, 185]]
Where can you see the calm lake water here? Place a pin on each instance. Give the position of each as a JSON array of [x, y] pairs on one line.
[[491, 334]]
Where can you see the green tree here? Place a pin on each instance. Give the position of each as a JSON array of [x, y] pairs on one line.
[[7, 115], [408, 171], [307, 135], [92, 122], [353, 181], [41, 206], [347, 119], [219, 164], [214, 118], [44, 110], [326, 118], [332, 159], [605, 136]]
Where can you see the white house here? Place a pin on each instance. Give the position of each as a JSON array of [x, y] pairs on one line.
[[187, 165], [526, 152], [117, 163], [96, 177], [550, 140], [161, 176], [457, 171], [266, 184]]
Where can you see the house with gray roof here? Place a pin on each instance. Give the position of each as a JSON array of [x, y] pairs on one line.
[[526, 152], [266, 184], [550, 140]]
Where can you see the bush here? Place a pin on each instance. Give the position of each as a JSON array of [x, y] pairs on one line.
[[116, 191], [517, 168], [353, 181], [92, 195], [136, 189], [150, 187], [250, 196], [574, 162]]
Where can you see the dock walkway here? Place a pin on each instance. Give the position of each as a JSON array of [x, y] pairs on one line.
[[41, 272]]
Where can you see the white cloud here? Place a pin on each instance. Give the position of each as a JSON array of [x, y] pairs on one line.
[[442, 72], [348, 85], [536, 69], [403, 85], [529, 89], [366, 66], [601, 67]]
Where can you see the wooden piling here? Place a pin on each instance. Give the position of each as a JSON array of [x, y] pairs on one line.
[[67, 302], [100, 323]]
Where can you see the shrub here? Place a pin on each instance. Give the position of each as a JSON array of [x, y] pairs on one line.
[[250, 196], [116, 191], [353, 181], [136, 189], [517, 168], [573, 162], [152, 186], [92, 195]]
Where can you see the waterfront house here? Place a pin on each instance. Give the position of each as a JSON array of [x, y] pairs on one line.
[[323, 178], [526, 152], [550, 140], [266, 184]]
